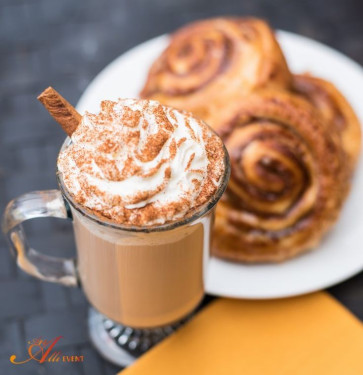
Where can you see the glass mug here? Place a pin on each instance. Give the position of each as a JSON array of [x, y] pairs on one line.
[[142, 282]]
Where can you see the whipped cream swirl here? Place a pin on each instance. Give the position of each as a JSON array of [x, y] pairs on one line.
[[140, 163]]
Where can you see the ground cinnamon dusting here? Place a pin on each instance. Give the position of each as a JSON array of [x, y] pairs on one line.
[[126, 163]]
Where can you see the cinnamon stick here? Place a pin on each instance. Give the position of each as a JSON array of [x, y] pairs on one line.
[[61, 110]]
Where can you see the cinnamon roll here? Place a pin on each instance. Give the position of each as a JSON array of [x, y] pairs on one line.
[[336, 111], [287, 178], [208, 62]]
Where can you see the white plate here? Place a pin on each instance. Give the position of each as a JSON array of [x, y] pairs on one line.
[[340, 256]]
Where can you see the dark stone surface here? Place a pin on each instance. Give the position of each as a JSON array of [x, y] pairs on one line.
[[65, 44], [72, 325], [10, 339], [20, 298], [7, 265]]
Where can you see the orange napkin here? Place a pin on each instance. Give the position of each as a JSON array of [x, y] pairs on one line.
[[308, 335]]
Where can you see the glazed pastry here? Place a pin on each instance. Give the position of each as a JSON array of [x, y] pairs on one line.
[[336, 111], [287, 178], [208, 62]]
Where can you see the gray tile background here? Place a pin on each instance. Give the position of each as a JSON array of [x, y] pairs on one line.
[[65, 43]]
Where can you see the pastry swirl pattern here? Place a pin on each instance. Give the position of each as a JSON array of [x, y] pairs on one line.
[[287, 178], [336, 112], [208, 62]]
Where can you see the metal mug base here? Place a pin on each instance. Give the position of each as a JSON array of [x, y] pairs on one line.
[[122, 345]]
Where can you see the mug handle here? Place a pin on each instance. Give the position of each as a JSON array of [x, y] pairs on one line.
[[48, 203]]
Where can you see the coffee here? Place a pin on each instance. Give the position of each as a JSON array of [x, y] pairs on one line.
[[140, 178], [142, 281], [140, 181]]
